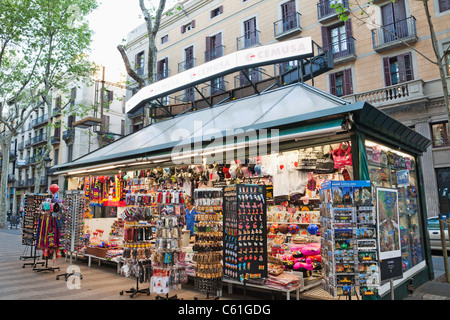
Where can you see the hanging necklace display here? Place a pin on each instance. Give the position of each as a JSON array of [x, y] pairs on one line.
[[72, 225], [32, 204], [208, 240]]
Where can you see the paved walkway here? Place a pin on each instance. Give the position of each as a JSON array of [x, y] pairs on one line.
[[19, 282]]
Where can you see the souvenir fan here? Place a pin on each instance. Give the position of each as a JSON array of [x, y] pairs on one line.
[[293, 228]]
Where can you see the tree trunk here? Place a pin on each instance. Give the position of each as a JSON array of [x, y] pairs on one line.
[[5, 144], [439, 58]]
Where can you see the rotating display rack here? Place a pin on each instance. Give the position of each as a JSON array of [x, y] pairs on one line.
[[208, 231]]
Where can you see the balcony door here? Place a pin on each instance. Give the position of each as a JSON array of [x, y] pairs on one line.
[[288, 15], [250, 37], [394, 21]]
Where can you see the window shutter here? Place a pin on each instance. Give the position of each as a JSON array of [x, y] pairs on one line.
[[193, 23], [220, 9], [326, 38], [110, 96], [348, 84], [333, 83], [387, 72], [183, 29], [444, 5], [405, 67], [208, 49]]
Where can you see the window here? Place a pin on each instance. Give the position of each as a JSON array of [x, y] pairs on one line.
[[162, 69], [394, 21], [69, 152], [252, 74], [338, 39], [250, 33], [341, 83], [214, 47], [73, 97], [288, 15], [217, 85], [189, 58], [139, 63], [440, 134], [122, 127], [109, 97], [398, 69], [444, 5], [105, 123], [164, 39], [216, 12], [188, 26], [55, 156], [58, 103], [447, 60], [443, 183]]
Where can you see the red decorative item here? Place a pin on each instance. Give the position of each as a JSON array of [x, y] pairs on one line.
[[54, 188]]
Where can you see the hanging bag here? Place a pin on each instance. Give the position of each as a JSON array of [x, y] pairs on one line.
[[307, 159], [342, 157], [325, 164], [311, 185]]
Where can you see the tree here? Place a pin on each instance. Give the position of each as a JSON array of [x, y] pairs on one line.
[[42, 48], [438, 60], [67, 38]]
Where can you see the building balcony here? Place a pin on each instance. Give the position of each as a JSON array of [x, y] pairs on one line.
[[214, 53], [162, 74], [28, 144], [39, 121], [11, 178], [42, 138], [56, 111], [287, 26], [20, 146], [56, 139], [30, 182], [395, 95], [395, 34], [20, 183], [186, 65], [343, 51], [22, 163], [69, 134], [326, 11], [250, 39]]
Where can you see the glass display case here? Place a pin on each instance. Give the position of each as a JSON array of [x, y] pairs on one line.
[[390, 168]]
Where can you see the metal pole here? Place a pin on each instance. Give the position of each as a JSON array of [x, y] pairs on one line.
[[442, 223], [392, 289]]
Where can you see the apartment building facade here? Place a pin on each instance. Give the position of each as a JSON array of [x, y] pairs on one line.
[[72, 135], [379, 57]]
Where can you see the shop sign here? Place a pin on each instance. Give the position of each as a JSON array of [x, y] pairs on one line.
[[252, 57]]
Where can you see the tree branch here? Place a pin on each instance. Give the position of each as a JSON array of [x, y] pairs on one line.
[[129, 69]]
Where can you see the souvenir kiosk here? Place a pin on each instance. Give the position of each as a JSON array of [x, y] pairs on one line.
[[290, 137], [293, 126]]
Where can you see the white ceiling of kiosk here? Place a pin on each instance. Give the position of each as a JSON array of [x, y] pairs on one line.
[[278, 105]]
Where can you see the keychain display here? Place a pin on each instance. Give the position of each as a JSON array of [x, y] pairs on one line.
[[208, 232], [167, 274], [245, 232]]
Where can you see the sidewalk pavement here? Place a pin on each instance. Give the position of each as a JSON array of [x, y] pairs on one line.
[[102, 282], [437, 289]]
